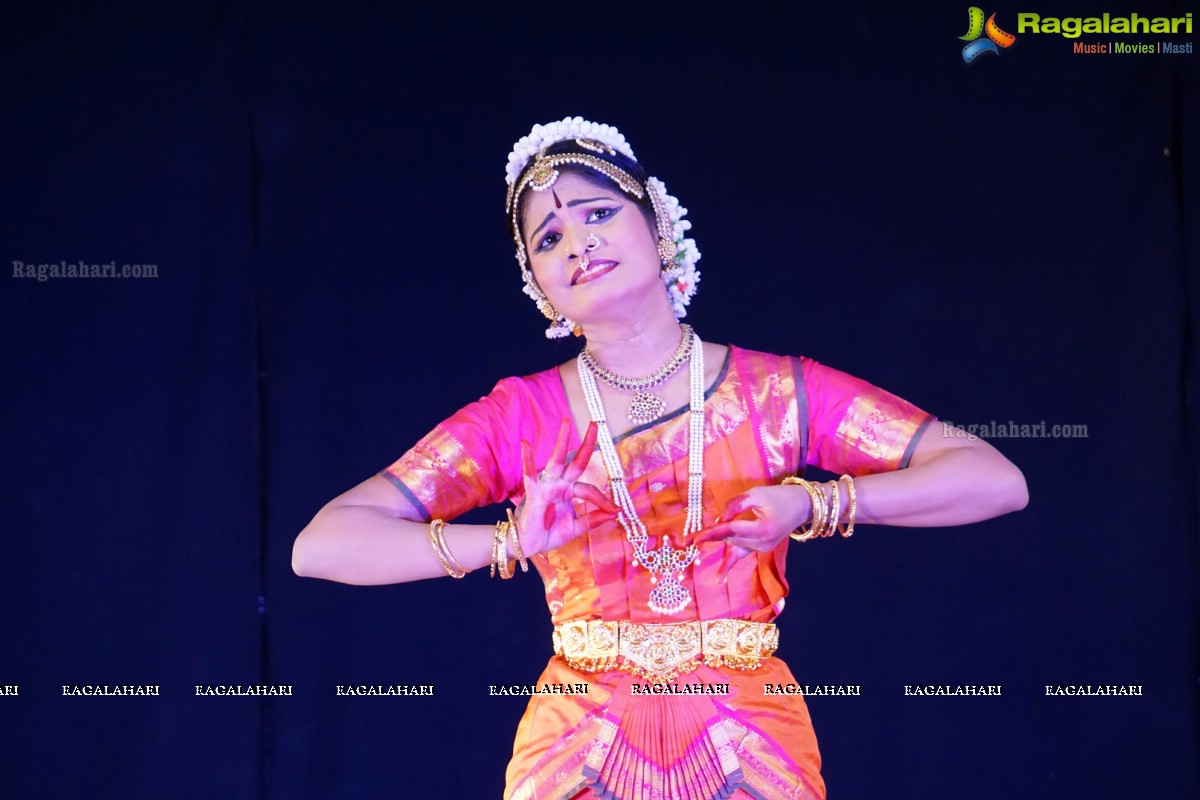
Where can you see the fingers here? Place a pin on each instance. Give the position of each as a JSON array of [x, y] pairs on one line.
[[590, 493], [716, 533], [736, 553], [583, 455], [559, 456], [733, 508], [527, 460], [728, 531], [743, 533], [594, 519], [742, 504]]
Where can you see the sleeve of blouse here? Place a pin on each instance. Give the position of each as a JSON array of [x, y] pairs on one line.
[[854, 427], [470, 460]]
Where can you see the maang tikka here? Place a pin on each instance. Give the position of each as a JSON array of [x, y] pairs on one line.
[[677, 253]]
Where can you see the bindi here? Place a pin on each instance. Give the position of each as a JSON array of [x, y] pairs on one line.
[[557, 202]]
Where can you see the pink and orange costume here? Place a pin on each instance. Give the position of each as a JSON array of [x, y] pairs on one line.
[[766, 417]]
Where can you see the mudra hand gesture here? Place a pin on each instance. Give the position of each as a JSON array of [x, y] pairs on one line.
[[757, 520], [547, 518]]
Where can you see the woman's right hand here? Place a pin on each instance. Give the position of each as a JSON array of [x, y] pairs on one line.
[[547, 517]]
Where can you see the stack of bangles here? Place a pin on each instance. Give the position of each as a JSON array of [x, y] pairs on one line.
[[826, 508], [500, 560]]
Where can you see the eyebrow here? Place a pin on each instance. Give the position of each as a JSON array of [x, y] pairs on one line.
[[570, 204]]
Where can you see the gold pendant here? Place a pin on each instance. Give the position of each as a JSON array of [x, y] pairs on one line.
[[669, 597], [645, 407]]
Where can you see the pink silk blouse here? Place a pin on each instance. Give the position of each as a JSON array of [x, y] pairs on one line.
[[766, 417]]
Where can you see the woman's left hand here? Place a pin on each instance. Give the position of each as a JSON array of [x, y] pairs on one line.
[[757, 520]]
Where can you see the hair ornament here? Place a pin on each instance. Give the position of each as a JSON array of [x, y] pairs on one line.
[[542, 175], [542, 136], [676, 250], [595, 146]]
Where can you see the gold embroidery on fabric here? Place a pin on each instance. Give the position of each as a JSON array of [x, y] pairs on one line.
[[779, 429], [876, 430], [432, 460], [760, 758], [737, 748], [641, 454]]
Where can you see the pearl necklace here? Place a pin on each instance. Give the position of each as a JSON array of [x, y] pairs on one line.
[[645, 406], [666, 565]]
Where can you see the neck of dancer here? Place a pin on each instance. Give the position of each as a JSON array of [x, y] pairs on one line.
[[637, 345]]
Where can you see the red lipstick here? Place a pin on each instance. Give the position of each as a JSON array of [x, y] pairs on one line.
[[601, 266]]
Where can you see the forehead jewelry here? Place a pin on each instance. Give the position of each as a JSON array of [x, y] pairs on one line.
[[676, 250], [666, 564], [542, 175]]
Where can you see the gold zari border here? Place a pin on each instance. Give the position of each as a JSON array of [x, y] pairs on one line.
[[660, 653]]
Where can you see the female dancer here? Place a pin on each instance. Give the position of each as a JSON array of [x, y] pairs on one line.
[[655, 484]]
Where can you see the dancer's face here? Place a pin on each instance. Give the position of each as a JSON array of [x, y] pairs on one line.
[[590, 247]]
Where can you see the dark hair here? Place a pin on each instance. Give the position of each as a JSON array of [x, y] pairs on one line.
[[619, 160]]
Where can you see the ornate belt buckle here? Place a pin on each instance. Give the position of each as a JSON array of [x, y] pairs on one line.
[[660, 651]]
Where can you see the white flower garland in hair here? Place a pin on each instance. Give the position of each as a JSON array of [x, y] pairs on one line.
[[680, 282], [542, 136]]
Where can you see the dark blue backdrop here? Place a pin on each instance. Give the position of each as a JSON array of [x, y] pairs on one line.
[[321, 193]]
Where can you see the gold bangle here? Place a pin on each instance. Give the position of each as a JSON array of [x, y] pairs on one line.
[[495, 557], [808, 530], [847, 530], [452, 567], [500, 560], [817, 522], [508, 567], [835, 509], [516, 537], [825, 519]]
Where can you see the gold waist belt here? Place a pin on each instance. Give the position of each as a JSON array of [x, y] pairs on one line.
[[662, 652]]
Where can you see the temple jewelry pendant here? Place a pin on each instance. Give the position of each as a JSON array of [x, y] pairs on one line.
[[645, 407], [669, 596]]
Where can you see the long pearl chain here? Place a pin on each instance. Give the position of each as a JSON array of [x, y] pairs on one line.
[[666, 565]]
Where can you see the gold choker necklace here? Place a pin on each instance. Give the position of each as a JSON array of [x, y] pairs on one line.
[[646, 406]]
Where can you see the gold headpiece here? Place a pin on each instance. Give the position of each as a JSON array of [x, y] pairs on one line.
[[678, 253], [542, 175]]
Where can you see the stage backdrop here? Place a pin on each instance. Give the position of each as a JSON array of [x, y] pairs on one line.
[[307, 203]]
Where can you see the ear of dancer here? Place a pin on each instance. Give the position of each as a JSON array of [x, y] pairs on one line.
[[549, 516]]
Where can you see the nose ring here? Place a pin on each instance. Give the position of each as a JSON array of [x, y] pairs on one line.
[[592, 244]]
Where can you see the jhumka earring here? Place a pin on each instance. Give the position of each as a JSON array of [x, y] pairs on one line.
[[666, 236]]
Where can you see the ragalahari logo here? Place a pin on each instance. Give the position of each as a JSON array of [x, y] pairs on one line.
[[975, 28]]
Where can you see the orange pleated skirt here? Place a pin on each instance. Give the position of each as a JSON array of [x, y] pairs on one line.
[[624, 739]]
